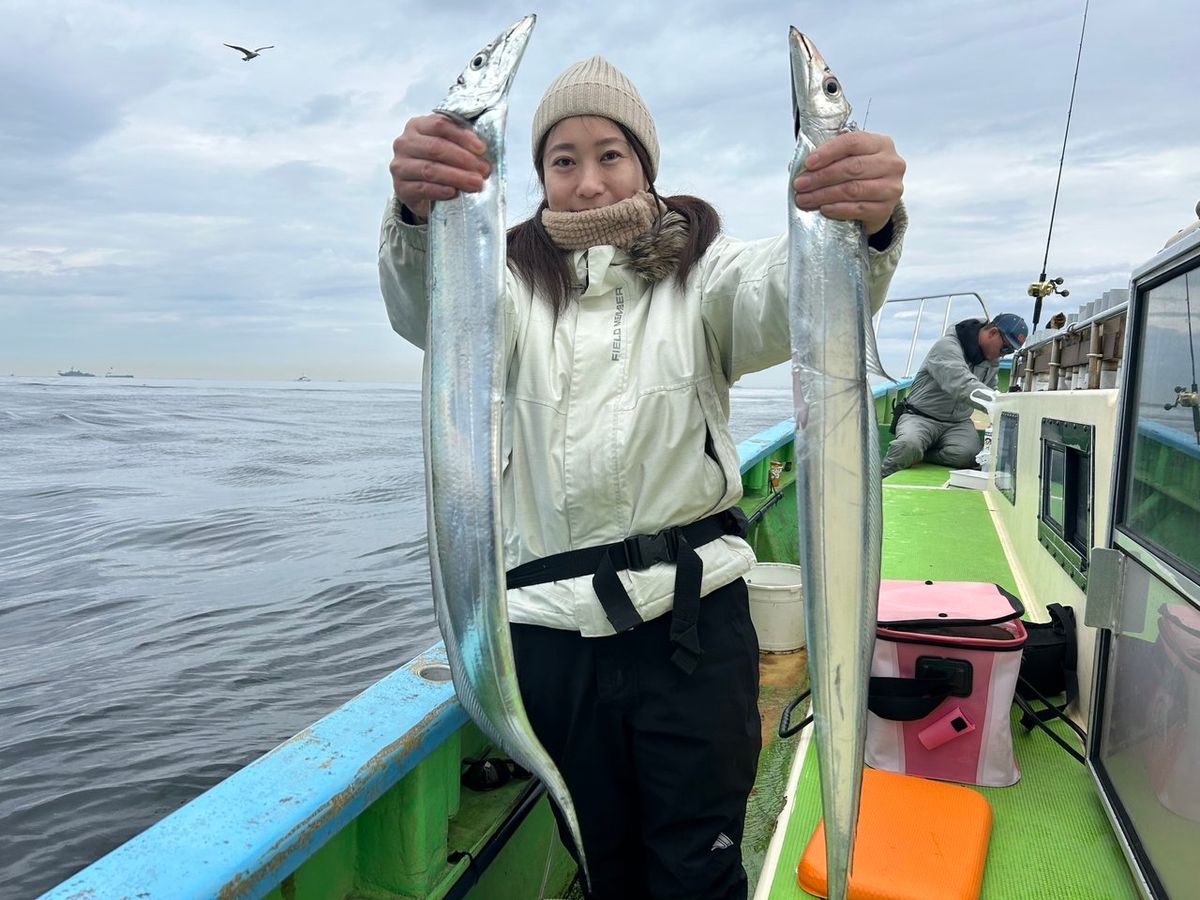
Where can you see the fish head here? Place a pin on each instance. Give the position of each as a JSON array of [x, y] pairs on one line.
[[819, 105], [489, 73]]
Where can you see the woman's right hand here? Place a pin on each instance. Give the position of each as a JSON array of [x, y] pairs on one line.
[[434, 159]]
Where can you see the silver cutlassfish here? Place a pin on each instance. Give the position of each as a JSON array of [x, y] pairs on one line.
[[837, 462], [464, 383]]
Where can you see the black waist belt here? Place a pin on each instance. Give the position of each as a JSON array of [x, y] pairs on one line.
[[905, 406], [640, 551]]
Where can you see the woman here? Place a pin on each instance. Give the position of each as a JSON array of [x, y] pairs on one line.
[[628, 317]]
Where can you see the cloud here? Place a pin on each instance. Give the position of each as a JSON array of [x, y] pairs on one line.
[[155, 191]]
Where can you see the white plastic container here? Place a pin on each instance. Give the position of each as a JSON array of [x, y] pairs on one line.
[[776, 606], [974, 479]]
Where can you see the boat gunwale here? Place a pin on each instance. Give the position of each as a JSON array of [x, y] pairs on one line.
[[244, 835], [279, 809]]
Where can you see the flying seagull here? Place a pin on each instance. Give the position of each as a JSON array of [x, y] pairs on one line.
[[249, 54]]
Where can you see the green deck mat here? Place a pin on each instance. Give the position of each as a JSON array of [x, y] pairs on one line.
[[1050, 835], [922, 474], [943, 535]]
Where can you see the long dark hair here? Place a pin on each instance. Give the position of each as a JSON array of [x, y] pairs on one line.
[[544, 267]]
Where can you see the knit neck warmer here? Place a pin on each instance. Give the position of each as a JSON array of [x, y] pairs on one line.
[[628, 224]]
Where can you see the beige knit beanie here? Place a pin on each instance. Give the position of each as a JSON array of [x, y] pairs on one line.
[[595, 87]]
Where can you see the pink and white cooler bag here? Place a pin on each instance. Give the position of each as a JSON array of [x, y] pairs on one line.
[[947, 656]]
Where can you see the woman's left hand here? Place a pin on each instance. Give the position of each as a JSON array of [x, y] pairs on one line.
[[856, 175]]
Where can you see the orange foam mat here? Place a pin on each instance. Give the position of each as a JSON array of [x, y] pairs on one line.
[[917, 840]]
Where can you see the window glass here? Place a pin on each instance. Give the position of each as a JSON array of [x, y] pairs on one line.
[[1080, 533], [1150, 733], [1006, 456], [1162, 482], [1065, 522], [1056, 487]]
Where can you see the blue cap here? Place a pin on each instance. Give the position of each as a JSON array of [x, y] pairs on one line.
[[1013, 329]]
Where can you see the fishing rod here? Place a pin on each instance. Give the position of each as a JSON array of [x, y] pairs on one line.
[[1184, 397], [1044, 286]]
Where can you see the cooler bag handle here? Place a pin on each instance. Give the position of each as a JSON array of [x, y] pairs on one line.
[[903, 699], [898, 699], [906, 699], [786, 728], [910, 699]]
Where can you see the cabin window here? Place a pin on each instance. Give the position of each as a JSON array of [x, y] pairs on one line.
[[1161, 484], [1065, 522], [1006, 456], [1055, 487]]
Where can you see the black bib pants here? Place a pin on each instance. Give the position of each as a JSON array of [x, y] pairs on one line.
[[659, 762]]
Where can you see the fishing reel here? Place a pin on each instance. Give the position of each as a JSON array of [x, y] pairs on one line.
[[1040, 289], [1185, 398]]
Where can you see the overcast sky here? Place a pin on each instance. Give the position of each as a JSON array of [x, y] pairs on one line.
[[171, 211]]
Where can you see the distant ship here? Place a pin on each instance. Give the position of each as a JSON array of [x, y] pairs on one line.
[[109, 374], [75, 373], [304, 378]]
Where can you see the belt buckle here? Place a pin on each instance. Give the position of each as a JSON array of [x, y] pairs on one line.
[[644, 550]]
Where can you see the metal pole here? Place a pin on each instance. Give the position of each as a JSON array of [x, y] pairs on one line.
[[1055, 347], [912, 348], [1094, 357]]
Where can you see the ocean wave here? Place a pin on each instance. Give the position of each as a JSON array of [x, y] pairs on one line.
[[190, 573]]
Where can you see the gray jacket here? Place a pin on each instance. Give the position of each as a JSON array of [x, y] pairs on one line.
[[946, 378]]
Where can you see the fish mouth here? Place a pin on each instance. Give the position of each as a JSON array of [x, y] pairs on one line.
[[500, 59], [511, 46], [801, 43], [810, 75], [806, 62]]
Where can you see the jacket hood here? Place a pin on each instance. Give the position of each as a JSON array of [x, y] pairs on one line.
[[655, 254], [967, 332]]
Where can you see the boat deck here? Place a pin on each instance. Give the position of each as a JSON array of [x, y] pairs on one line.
[[1050, 835]]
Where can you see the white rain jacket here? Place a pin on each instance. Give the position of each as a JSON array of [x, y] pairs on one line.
[[616, 415]]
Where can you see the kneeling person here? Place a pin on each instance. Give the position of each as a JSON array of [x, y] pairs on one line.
[[934, 421]]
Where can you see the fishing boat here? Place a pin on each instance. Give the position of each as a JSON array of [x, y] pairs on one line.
[[1090, 498]]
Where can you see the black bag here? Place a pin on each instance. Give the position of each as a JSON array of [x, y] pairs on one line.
[[1048, 659], [1048, 669]]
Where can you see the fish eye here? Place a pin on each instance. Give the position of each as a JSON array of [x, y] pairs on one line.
[[479, 61], [831, 87]]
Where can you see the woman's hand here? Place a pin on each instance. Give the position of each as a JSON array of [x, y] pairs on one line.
[[856, 175], [434, 159]]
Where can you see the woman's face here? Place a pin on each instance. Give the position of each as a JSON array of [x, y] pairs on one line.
[[588, 164]]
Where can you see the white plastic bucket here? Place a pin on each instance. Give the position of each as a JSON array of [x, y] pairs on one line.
[[775, 606]]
